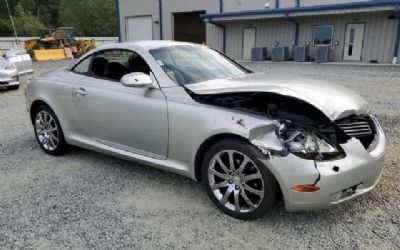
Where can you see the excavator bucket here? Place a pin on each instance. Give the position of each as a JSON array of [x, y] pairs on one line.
[[48, 54]]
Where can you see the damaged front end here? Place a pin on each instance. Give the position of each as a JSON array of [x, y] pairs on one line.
[[301, 129], [317, 162]]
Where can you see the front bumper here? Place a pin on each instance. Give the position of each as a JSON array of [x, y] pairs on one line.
[[339, 180], [8, 78]]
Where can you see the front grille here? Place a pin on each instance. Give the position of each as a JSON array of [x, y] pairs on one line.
[[356, 126]]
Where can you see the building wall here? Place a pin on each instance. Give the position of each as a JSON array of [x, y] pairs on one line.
[[237, 5], [379, 31], [379, 36], [267, 34], [130, 8], [319, 2]]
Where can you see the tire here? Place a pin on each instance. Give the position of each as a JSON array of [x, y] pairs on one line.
[[228, 187], [48, 131]]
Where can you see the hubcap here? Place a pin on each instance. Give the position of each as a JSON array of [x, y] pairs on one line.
[[236, 181], [47, 130]]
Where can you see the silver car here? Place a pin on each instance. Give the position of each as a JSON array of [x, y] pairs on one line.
[[248, 137], [9, 76]]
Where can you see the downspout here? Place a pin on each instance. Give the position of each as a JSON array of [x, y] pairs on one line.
[[160, 16], [221, 10], [397, 42], [117, 16], [296, 29], [276, 4], [297, 3], [223, 34]]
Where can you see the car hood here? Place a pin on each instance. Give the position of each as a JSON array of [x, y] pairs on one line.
[[334, 100]]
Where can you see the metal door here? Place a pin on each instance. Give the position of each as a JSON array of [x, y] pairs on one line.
[[249, 42], [139, 28], [354, 41]]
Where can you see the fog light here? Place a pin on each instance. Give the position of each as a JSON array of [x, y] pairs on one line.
[[305, 188]]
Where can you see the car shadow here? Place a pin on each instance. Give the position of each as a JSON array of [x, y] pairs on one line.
[[150, 179]]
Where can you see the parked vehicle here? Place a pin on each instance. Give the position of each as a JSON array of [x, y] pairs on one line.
[[248, 137], [9, 77], [21, 59]]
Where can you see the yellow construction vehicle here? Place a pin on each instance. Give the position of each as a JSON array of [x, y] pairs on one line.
[[57, 44]]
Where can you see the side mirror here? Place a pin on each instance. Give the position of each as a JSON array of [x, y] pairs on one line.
[[137, 80]]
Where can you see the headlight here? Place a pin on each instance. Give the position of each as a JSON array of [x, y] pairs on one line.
[[10, 66], [307, 144]]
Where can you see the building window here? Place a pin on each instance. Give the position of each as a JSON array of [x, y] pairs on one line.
[[323, 35]]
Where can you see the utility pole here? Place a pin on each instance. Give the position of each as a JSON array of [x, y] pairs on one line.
[[12, 21]]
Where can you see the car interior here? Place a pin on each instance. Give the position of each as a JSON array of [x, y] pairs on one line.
[[103, 67]]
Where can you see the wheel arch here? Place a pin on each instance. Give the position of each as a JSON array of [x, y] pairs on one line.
[[35, 104], [204, 147], [219, 137]]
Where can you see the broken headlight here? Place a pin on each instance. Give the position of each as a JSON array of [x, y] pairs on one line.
[[307, 144]]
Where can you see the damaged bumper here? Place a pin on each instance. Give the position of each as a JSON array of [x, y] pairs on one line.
[[338, 180]]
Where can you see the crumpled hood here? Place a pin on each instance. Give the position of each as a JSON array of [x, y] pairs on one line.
[[334, 100]]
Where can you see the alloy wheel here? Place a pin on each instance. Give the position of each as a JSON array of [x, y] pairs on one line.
[[236, 181], [47, 130]]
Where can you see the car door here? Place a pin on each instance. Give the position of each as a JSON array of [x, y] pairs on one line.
[[125, 118]]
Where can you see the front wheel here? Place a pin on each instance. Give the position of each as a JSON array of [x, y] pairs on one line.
[[48, 131], [236, 180]]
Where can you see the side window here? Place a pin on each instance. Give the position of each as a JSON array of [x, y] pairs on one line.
[[83, 66], [323, 35], [114, 64]]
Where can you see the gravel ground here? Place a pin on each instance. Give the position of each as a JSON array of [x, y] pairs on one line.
[[88, 200]]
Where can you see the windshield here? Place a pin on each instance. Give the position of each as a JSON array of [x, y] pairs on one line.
[[188, 64]]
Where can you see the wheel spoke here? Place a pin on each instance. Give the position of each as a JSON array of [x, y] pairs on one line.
[[252, 190], [246, 199], [53, 144], [39, 124], [221, 164], [252, 177], [219, 185], [41, 118], [51, 121], [47, 117], [54, 137], [224, 199], [236, 198], [231, 161], [243, 164], [220, 175]]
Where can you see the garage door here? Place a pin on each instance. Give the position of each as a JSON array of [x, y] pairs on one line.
[[139, 28]]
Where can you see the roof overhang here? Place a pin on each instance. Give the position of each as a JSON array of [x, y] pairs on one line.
[[313, 10]]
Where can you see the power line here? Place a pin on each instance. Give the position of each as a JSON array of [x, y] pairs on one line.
[[12, 21]]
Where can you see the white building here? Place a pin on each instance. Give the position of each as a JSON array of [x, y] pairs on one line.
[[354, 30]]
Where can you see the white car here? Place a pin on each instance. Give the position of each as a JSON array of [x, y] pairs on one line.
[[9, 76], [248, 137]]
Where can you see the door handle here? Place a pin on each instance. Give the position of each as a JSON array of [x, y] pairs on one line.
[[80, 92]]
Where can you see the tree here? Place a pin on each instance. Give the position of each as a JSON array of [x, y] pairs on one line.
[[89, 17], [5, 27], [26, 24]]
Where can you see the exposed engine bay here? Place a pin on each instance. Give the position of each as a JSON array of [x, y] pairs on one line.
[[304, 130]]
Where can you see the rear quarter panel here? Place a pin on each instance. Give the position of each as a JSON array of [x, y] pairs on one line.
[[55, 89]]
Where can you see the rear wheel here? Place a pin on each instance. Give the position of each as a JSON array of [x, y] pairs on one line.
[[48, 131], [237, 181]]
